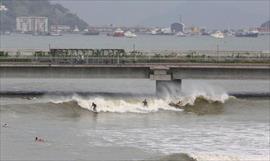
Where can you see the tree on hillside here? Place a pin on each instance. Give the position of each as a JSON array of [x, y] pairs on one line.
[[56, 13]]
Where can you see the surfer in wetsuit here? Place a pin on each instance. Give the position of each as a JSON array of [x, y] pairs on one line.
[[94, 107], [39, 139], [5, 125], [145, 104]]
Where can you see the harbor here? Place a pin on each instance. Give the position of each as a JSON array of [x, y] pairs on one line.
[[141, 42], [134, 80]]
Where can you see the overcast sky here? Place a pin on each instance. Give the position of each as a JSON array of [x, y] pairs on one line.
[[204, 13]]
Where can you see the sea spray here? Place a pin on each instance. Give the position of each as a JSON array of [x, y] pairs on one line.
[[134, 104], [196, 95], [190, 91], [204, 90], [121, 105]]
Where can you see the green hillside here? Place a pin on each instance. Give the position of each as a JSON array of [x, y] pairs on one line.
[[57, 14]]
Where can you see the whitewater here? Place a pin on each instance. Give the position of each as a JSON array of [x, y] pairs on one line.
[[133, 104], [202, 123]]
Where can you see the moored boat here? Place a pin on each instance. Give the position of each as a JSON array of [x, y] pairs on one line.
[[218, 35], [130, 34], [91, 32], [55, 33], [181, 34], [118, 33], [253, 33]]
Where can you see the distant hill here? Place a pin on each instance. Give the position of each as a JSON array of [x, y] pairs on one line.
[[56, 13], [266, 24]]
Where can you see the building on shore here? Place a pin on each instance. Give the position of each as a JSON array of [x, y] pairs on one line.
[[177, 27], [193, 30], [3, 8], [265, 28], [60, 28], [32, 24]]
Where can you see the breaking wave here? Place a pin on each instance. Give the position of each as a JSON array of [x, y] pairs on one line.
[[135, 105], [176, 157], [226, 157], [209, 157]]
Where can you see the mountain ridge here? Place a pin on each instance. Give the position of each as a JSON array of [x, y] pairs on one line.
[[56, 13]]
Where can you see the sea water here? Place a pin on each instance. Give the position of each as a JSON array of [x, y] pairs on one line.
[[224, 127], [216, 126]]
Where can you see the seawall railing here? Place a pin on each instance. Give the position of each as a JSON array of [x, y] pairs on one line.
[[120, 56], [129, 60]]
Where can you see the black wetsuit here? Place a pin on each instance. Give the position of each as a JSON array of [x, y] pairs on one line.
[[145, 103], [94, 107]]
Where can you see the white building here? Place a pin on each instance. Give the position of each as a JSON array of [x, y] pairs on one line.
[[32, 24], [3, 8], [60, 28]]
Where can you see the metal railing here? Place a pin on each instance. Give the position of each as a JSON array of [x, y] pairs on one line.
[[132, 60], [106, 52]]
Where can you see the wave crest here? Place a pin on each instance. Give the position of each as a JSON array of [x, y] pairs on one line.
[[135, 105], [202, 104]]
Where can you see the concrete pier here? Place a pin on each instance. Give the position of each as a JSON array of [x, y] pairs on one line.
[[167, 70], [166, 75]]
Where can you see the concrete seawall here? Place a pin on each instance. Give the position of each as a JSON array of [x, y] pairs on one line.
[[139, 71], [166, 75], [166, 70]]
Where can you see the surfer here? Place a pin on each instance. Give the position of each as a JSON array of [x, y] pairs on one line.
[[145, 104], [94, 107], [5, 125], [39, 139]]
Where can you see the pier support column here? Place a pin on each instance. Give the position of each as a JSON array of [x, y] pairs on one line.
[[168, 87]]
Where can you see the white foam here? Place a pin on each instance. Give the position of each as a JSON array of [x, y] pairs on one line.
[[209, 92], [135, 105], [190, 99], [224, 157], [122, 106]]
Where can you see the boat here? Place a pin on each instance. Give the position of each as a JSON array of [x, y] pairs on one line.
[[109, 34], [118, 33], [7, 32], [230, 33], [91, 32], [218, 35], [253, 33], [163, 31], [129, 34], [55, 33], [205, 33], [3, 8], [166, 31], [155, 32], [76, 29], [181, 34]]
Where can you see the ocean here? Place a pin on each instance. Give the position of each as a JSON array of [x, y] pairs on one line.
[[142, 42], [211, 124]]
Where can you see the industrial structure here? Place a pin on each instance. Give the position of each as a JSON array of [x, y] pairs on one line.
[[177, 27]]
